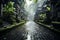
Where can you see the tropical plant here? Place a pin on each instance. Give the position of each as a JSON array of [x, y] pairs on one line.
[[9, 8], [42, 16], [48, 8], [8, 12]]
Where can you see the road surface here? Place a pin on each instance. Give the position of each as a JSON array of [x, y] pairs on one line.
[[20, 33]]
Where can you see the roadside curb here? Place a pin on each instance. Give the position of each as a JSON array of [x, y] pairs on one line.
[[48, 26], [55, 22], [12, 26]]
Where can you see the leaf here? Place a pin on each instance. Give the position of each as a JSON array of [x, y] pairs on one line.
[[35, 1], [9, 8], [42, 16], [48, 8]]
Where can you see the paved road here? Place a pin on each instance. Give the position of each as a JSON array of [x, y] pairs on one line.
[[20, 33]]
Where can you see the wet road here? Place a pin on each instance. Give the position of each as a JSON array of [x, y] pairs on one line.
[[36, 31]]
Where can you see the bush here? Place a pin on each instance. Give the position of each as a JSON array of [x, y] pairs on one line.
[[9, 12], [42, 16], [9, 8]]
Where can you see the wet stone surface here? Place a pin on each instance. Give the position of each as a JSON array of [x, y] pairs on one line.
[[20, 33]]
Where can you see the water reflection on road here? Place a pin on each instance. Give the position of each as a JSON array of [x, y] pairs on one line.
[[30, 31], [31, 28]]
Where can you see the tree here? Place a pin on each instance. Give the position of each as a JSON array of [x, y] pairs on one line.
[[8, 11]]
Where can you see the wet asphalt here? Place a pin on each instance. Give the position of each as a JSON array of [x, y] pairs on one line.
[[20, 33]]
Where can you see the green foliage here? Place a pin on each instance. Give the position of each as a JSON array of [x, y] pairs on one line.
[[42, 16], [35, 1], [9, 8], [48, 8], [8, 12]]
